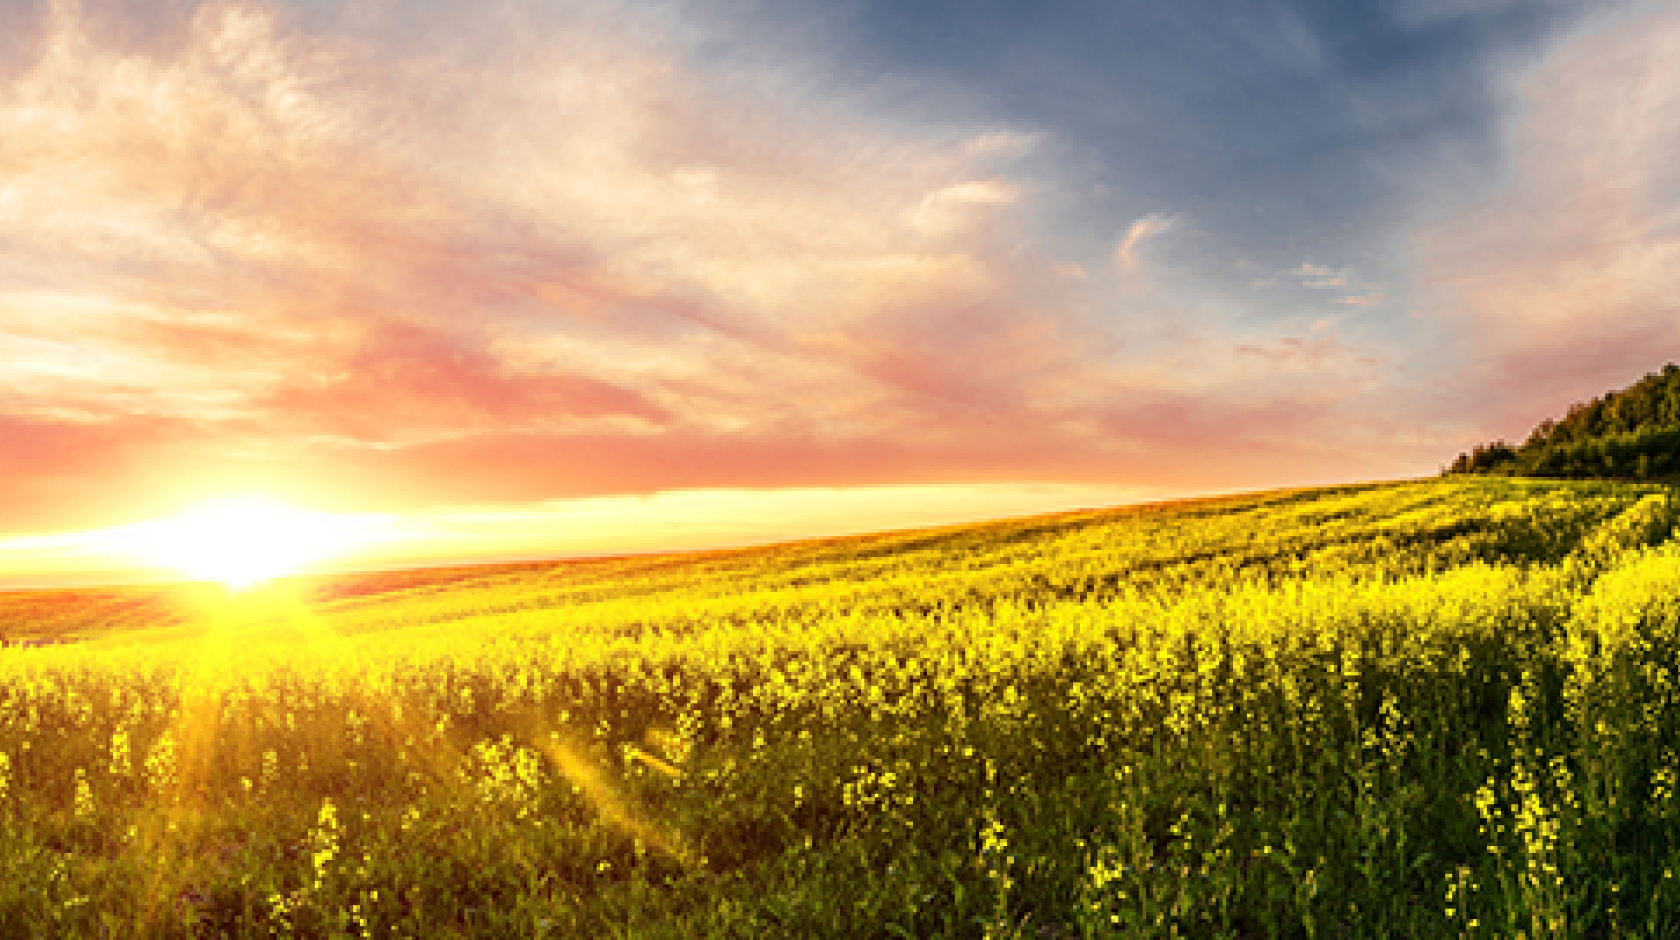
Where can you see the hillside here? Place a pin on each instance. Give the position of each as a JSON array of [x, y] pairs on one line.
[[1427, 708], [1631, 434], [1088, 556]]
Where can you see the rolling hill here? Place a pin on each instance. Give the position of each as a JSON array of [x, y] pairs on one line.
[[1423, 708]]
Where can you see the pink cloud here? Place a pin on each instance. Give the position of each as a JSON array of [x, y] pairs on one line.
[[1315, 352], [399, 376], [242, 254], [1562, 285]]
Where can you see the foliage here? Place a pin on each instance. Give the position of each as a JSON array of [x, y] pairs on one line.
[[1422, 709], [1632, 434]]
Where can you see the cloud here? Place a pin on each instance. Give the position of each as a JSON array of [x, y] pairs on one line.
[[961, 205], [1353, 288], [1144, 229], [1561, 285], [247, 239], [1311, 352], [1316, 276], [399, 377], [551, 257]]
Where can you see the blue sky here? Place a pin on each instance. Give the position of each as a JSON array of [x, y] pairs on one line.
[[402, 257], [1305, 127]]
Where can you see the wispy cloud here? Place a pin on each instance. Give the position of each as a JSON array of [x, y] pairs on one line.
[[295, 252], [1142, 230], [521, 252], [1562, 285], [959, 206], [1351, 288], [1362, 300], [1319, 277]]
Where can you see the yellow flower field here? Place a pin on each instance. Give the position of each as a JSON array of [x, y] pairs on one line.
[[1435, 708]]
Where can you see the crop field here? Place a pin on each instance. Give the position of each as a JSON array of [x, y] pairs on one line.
[[1434, 709]]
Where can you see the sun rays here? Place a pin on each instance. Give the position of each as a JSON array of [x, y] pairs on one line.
[[244, 540], [252, 660]]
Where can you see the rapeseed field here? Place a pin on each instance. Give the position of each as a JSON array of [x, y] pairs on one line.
[[1431, 709]]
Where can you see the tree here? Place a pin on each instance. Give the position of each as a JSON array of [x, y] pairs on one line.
[[1631, 433]]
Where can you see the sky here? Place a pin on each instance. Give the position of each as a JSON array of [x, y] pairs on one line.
[[533, 277]]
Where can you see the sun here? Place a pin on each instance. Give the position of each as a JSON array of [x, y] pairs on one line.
[[241, 541]]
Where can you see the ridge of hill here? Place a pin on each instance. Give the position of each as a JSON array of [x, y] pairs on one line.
[[1091, 555], [1629, 434]]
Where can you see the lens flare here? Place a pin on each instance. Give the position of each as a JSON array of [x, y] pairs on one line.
[[243, 540]]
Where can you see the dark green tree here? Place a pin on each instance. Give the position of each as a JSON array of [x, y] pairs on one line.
[[1633, 433]]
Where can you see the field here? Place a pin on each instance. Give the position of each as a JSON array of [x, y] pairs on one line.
[[1433, 709]]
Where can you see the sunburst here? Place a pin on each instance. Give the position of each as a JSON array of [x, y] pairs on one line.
[[242, 541]]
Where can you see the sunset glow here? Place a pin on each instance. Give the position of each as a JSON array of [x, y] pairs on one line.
[[414, 258], [240, 540], [536, 468]]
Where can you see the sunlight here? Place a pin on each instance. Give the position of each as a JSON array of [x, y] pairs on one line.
[[243, 540]]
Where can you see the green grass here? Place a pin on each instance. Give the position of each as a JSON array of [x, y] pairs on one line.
[[1434, 708]]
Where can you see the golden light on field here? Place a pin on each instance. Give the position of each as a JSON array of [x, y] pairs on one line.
[[242, 540]]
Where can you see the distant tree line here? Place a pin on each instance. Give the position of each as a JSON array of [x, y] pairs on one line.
[[1633, 434]]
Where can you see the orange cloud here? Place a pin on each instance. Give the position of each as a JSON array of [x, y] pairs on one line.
[[960, 205], [246, 254]]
